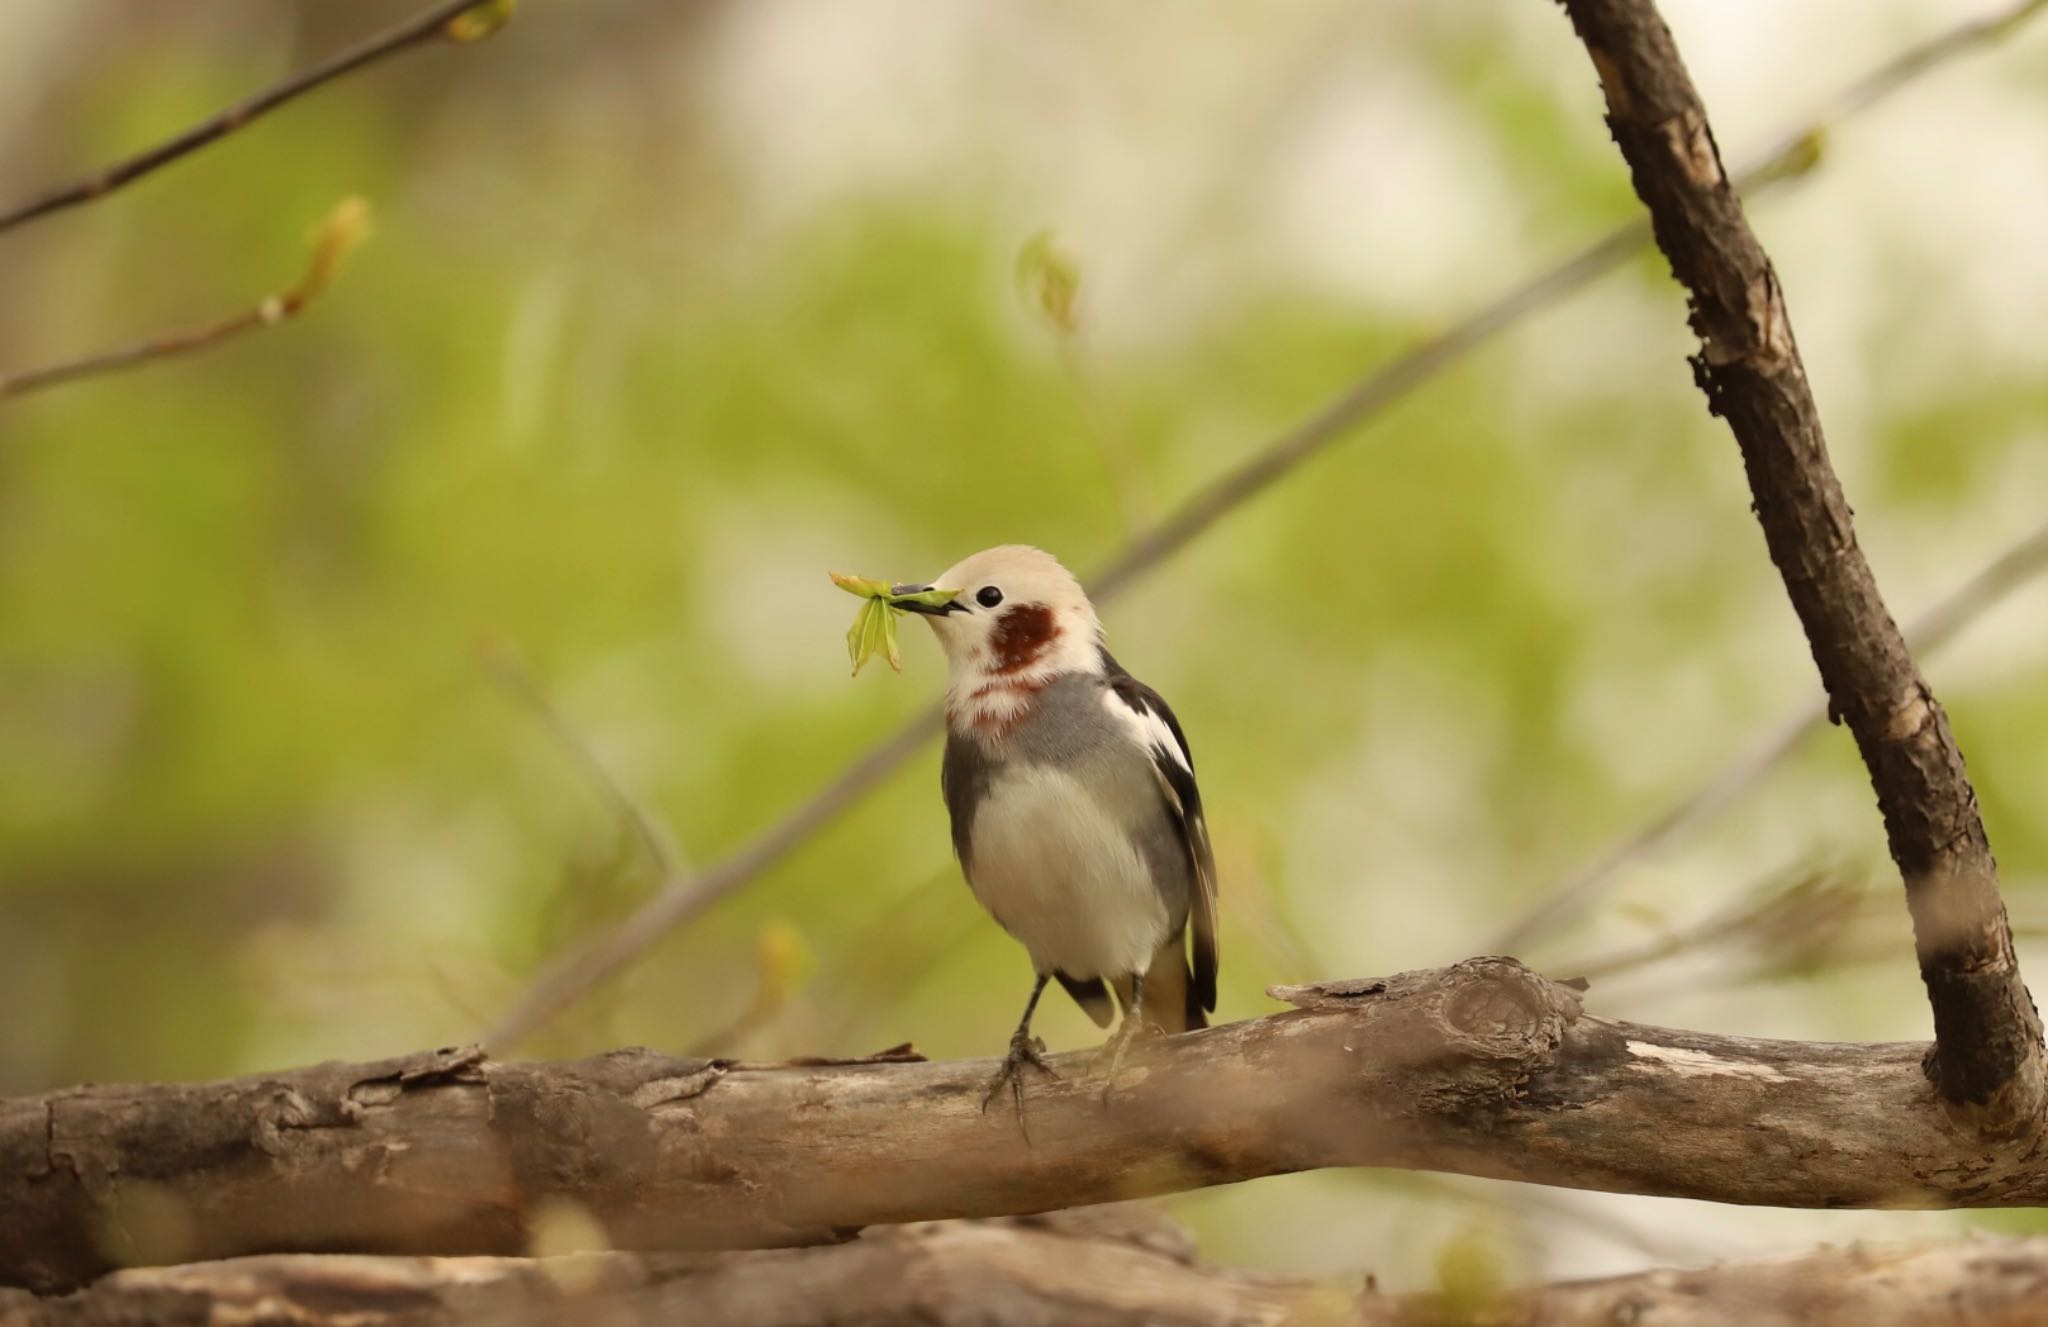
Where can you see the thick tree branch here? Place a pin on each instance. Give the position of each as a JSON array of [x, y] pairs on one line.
[[461, 20], [684, 897], [1988, 1056], [1028, 1274], [1481, 1069]]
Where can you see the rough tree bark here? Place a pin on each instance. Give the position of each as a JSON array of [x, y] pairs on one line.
[[1483, 1068], [1030, 1273], [1987, 1058]]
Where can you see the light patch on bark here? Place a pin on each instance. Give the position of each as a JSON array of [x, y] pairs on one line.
[[1692, 146], [1909, 717], [1765, 306], [682, 1087], [1684, 1061]]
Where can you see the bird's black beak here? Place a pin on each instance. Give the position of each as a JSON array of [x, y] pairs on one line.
[[950, 606]]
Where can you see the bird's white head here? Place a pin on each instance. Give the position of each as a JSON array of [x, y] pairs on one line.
[[1020, 620]]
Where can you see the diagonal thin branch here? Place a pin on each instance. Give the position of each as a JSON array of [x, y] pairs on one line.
[[1570, 897], [1793, 156], [1816, 921], [344, 228], [580, 971], [1988, 1059], [1784, 928], [510, 672], [436, 22]]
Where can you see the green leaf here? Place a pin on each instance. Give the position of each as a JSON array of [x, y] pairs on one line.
[[933, 598], [343, 230], [879, 635], [890, 651], [479, 21], [861, 585], [1050, 279], [861, 636], [784, 959], [874, 629]]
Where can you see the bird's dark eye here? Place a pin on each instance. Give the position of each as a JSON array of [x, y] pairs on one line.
[[988, 596]]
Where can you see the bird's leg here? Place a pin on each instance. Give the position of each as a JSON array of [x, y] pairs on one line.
[[1126, 1032], [1023, 1050]]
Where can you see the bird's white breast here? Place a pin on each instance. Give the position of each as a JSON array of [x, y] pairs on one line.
[[1057, 869]]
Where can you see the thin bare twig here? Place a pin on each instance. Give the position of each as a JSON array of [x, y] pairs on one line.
[[1569, 898], [344, 228], [582, 970], [439, 21], [1785, 928], [783, 967], [894, 951], [1794, 155], [1988, 1063], [1816, 921], [1049, 280], [511, 673], [570, 977]]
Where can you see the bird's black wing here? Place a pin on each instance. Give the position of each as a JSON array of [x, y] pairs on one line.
[[1175, 768]]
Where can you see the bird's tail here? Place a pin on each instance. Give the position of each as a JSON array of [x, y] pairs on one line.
[[1170, 1003]]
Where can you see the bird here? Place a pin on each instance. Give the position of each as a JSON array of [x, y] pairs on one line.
[[1075, 813]]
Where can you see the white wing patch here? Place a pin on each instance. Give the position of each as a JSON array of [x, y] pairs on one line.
[[1148, 730]]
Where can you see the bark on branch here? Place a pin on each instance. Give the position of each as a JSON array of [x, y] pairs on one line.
[[1988, 1056], [1027, 1274], [1483, 1068]]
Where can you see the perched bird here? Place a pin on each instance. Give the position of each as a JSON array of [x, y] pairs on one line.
[[1072, 795]]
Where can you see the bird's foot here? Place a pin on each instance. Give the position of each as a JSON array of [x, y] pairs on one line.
[[1025, 1049], [1111, 1057]]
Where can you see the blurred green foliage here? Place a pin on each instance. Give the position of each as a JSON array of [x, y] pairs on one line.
[[599, 396]]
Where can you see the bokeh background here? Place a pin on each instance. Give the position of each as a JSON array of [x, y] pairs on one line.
[[671, 308]]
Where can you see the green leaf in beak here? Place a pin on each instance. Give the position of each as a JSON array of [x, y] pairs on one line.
[[874, 629], [929, 598], [860, 585]]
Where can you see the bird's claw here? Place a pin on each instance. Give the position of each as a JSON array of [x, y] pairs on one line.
[[1024, 1050], [1127, 1032]]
